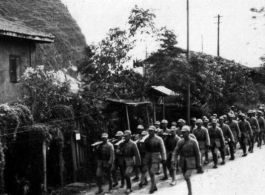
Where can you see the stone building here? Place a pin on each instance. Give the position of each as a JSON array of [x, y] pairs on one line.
[[17, 52]]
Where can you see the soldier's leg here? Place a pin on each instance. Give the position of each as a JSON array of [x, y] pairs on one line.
[[152, 171], [206, 156], [128, 178], [214, 153], [114, 175], [144, 169], [231, 149], [136, 172], [222, 152], [158, 170], [165, 172], [108, 173], [260, 138], [99, 179], [187, 175], [121, 167], [200, 170], [243, 142]]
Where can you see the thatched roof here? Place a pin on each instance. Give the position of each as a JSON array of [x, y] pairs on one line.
[[16, 29]]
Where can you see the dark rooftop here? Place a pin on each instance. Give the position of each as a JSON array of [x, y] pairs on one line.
[[19, 30]]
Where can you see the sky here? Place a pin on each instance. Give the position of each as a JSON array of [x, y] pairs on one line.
[[242, 38]]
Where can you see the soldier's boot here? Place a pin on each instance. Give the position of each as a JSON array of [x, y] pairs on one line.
[[223, 157], [206, 158], [189, 186], [129, 185]]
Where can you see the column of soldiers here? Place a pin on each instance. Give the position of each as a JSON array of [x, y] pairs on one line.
[[181, 147]]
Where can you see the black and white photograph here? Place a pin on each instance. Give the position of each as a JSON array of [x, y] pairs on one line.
[[112, 97]]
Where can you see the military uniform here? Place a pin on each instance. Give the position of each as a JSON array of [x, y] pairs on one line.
[[203, 139], [105, 161], [255, 128], [229, 138], [216, 143], [235, 129], [246, 134], [118, 163], [170, 145], [261, 122]]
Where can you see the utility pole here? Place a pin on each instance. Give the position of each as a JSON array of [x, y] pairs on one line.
[[202, 43], [218, 34], [188, 52]]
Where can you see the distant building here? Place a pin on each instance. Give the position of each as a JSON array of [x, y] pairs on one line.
[[17, 52]]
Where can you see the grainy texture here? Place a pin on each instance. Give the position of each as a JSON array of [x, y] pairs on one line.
[[50, 16]]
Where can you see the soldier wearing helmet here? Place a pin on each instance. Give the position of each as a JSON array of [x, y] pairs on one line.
[[216, 142], [118, 160], [202, 136], [170, 143], [229, 138], [105, 161], [131, 158], [255, 128], [233, 124], [246, 132], [262, 127], [155, 151], [190, 157]]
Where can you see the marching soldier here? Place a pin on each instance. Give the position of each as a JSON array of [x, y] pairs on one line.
[[192, 124], [181, 123], [105, 162], [118, 160], [164, 131], [246, 132], [190, 157], [142, 151], [202, 136], [234, 128], [255, 129], [170, 144], [206, 125], [261, 126], [131, 158], [228, 136], [157, 126], [155, 150], [216, 142], [139, 130]]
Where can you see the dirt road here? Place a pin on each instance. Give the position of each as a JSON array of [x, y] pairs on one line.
[[243, 176]]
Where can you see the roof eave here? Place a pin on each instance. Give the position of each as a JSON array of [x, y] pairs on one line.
[[39, 39]]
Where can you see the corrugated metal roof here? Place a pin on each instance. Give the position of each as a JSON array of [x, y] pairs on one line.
[[16, 29], [128, 102], [165, 91]]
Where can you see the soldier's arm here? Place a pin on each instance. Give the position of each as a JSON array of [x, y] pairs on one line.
[[263, 123], [222, 137], [197, 154], [249, 129], [231, 134], [257, 123], [162, 149], [207, 137], [238, 129], [136, 155], [176, 152], [112, 156]]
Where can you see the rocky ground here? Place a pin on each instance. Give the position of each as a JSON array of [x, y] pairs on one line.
[[243, 176]]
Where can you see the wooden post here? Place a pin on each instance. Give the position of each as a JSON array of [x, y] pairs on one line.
[[73, 158], [188, 53], [164, 108], [44, 151], [128, 120], [147, 114], [61, 164], [154, 112]]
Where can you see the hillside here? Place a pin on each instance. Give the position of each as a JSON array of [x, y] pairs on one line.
[[53, 17]]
